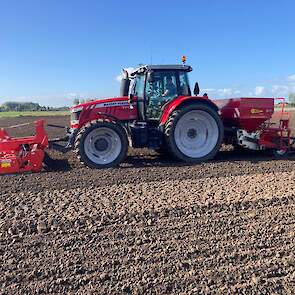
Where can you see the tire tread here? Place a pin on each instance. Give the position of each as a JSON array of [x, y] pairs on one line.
[[81, 132]]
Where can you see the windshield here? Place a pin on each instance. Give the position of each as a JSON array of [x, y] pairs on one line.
[[164, 84], [184, 88], [160, 90]]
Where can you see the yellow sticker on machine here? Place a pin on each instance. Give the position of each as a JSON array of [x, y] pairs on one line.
[[256, 111], [5, 164]]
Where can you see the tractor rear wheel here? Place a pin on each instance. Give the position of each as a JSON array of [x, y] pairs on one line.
[[101, 144], [194, 133]]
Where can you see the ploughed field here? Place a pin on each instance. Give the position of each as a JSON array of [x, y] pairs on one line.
[[154, 225]]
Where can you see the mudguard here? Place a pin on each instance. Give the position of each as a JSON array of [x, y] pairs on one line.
[[183, 101]]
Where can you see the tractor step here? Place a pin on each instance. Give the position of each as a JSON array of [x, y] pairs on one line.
[[144, 136]]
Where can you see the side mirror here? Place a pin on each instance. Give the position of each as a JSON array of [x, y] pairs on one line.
[[196, 89]]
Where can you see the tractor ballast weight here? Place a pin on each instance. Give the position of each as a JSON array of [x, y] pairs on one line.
[[24, 154]]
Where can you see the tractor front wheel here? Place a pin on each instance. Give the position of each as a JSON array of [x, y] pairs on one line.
[[101, 144], [194, 133]]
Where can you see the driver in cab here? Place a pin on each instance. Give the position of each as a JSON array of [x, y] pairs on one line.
[[170, 88]]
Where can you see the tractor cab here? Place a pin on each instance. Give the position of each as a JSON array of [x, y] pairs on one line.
[[155, 86], [158, 93]]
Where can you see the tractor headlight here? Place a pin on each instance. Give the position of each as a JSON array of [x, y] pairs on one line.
[[75, 114]]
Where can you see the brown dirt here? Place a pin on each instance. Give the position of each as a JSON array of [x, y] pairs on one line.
[[151, 226]]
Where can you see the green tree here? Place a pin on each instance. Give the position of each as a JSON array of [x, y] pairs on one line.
[[12, 106]]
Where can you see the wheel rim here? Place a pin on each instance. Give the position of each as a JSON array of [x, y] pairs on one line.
[[196, 134], [102, 145]]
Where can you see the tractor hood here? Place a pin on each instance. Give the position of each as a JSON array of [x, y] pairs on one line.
[[100, 103], [116, 108]]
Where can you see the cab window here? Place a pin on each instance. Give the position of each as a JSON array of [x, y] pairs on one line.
[[184, 88], [161, 90]]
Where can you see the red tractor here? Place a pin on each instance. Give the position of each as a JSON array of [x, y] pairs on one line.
[[155, 110]]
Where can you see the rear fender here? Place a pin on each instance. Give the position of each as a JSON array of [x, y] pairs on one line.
[[181, 102]]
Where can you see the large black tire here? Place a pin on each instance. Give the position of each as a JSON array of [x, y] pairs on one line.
[[90, 151], [192, 134]]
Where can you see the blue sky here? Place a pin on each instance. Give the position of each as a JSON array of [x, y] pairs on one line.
[[52, 51]]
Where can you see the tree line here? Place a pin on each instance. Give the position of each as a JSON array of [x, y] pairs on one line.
[[27, 107]]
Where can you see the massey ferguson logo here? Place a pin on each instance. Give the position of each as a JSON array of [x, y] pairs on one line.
[[113, 104]]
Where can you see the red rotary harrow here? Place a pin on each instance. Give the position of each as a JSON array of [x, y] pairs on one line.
[[24, 154]]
